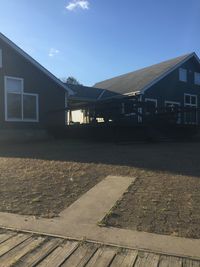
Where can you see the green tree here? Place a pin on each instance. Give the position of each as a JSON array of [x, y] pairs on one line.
[[72, 80]]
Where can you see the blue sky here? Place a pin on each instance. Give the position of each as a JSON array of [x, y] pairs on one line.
[[93, 40]]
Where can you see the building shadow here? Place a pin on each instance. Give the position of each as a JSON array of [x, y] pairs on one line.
[[179, 158]]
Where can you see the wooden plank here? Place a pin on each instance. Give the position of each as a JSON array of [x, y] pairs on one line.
[[59, 255], [125, 259], [81, 256], [168, 261], [147, 259], [37, 255], [103, 257], [12, 242], [190, 263], [19, 251], [6, 236]]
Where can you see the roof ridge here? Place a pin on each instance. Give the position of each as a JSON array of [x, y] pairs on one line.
[[143, 68]]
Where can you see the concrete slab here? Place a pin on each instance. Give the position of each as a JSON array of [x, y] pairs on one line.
[[79, 221]]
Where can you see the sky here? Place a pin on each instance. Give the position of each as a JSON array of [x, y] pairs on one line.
[[94, 40]]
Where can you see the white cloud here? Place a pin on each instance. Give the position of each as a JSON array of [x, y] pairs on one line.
[[74, 4], [53, 52]]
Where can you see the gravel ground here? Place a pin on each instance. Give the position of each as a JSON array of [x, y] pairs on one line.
[[42, 179]]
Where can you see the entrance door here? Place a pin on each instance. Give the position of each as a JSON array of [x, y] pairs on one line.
[[190, 102]]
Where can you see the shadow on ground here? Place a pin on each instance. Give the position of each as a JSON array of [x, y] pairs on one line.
[[178, 158]]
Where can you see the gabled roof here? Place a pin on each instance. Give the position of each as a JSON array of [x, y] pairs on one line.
[[85, 92], [34, 62], [140, 80]]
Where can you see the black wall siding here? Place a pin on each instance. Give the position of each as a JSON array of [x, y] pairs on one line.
[[51, 95]]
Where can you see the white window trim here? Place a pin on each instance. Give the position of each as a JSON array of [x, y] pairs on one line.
[[194, 105], [191, 105], [152, 100], [172, 102], [195, 78], [183, 80], [22, 94], [1, 59]]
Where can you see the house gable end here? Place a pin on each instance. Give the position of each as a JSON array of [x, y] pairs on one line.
[[192, 55], [35, 63]]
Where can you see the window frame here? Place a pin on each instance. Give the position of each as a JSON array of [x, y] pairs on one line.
[[191, 105], [22, 94], [196, 74], [186, 73]]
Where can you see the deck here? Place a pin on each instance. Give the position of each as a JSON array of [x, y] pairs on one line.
[[26, 249]]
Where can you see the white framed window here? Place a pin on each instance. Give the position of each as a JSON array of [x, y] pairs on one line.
[[197, 78], [1, 60], [19, 106], [190, 101], [182, 75]]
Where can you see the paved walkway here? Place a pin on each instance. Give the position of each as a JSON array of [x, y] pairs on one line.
[[27, 250], [81, 219]]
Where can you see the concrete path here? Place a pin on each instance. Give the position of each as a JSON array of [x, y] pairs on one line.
[[80, 221]]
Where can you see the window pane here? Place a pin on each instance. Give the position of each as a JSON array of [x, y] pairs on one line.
[[30, 107], [183, 75], [187, 99], [193, 100], [197, 78], [13, 85], [14, 106]]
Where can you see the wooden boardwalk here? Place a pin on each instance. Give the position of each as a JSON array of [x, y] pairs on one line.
[[29, 250]]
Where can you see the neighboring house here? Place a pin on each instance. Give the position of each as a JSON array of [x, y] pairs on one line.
[[175, 82], [171, 84], [29, 94]]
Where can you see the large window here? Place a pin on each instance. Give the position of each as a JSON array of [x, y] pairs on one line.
[[19, 106], [183, 75], [197, 78], [190, 102]]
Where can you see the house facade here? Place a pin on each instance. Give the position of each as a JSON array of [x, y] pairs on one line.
[[30, 96], [172, 84]]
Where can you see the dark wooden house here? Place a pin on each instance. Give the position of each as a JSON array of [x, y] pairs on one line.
[[30, 96], [168, 90]]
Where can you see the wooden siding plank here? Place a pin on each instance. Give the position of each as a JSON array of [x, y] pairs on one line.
[[59, 255], [168, 261], [147, 259], [125, 259], [103, 257], [18, 252], [81, 256], [12, 242], [6, 236], [190, 263], [37, 255]]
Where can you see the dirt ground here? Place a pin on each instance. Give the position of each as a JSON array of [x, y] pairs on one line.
[[42, 179]]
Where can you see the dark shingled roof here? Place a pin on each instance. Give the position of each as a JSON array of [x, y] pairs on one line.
[[85, 92], [138, 80]]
